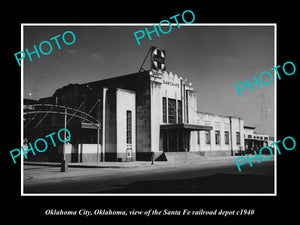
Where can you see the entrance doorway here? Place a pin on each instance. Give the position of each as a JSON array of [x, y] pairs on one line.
[[175, 140]]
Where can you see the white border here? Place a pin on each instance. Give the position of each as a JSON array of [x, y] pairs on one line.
[[151, 24], [275, 109]]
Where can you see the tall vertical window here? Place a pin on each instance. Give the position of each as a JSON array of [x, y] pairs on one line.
[[179, 109], [217, 136], [207, 137], [164, 107], [128, 127], [172, 110], [238, 138], [226, 134]]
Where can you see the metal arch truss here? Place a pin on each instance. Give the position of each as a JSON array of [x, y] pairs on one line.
[[58, 109]]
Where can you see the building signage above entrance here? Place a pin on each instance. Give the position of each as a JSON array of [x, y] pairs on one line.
[[170, 83]]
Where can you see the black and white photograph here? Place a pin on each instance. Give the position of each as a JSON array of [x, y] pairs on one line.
[[163, 118], [150, 114]]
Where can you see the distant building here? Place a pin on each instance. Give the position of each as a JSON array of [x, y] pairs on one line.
[[254, 141]]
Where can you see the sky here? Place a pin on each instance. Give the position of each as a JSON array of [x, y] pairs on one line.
[[212, 58]]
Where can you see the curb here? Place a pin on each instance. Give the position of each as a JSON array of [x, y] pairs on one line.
[[79, 165]]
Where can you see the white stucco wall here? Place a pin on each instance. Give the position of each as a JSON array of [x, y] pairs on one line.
[[125, 100], [221, 123]]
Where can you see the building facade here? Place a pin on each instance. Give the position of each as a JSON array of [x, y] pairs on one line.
[[225, 138], [143, 115]]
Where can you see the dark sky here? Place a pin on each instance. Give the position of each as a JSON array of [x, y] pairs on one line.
[[213, 58]]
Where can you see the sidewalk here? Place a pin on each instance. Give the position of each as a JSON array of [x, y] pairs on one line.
[[134, 164]]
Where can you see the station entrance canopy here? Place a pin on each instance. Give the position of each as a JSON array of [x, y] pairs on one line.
[[185, 126], [176, 137]]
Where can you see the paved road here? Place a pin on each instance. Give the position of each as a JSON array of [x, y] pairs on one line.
[[210, 176]]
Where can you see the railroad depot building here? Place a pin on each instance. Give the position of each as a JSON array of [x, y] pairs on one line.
[[149, 112]]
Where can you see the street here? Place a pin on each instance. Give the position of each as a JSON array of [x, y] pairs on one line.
[[213, 175]]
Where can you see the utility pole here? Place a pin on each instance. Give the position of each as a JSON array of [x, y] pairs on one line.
[[98, 127], [103, 125], [64, 164], [230, 124]]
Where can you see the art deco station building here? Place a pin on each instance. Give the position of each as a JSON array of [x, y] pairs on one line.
[[144, 113]]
